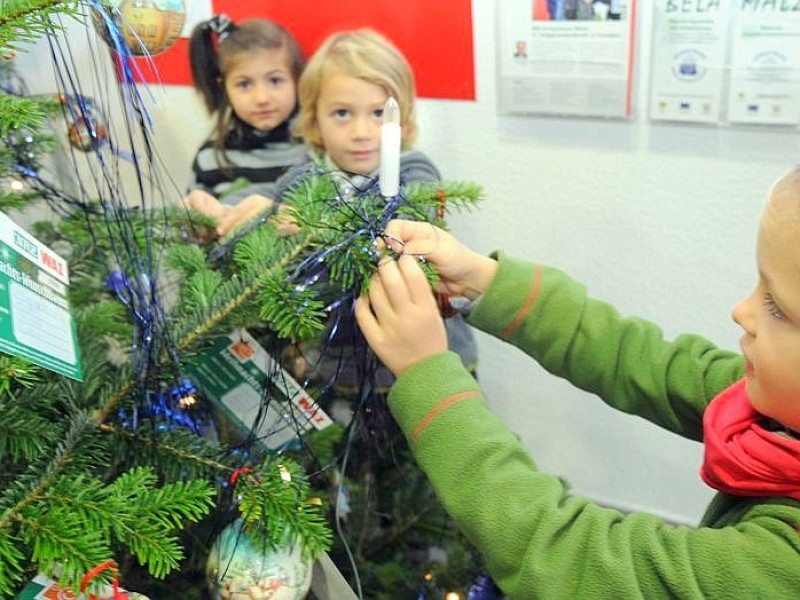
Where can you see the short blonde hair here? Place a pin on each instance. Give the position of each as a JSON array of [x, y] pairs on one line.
[[364, 54]]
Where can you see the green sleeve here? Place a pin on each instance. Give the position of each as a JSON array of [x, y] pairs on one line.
[[625, 361], [539, 542]]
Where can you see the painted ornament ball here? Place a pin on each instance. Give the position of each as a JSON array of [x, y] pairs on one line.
[[146, 26], [85, 133], [237, 570], [86, 125]]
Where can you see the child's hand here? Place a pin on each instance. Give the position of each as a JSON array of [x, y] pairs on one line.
[[242, 213], [204, 203], [462, 271], [400, 318], [284, 221]]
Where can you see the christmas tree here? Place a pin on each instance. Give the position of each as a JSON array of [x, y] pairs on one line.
[[127, 464]]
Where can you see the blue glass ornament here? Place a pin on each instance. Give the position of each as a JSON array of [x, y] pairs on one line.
[[484, 588]]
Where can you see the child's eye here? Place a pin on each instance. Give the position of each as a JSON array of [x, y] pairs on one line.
[[243, 84], [276, 81], [378, 113], [772, 307], [341, 114]]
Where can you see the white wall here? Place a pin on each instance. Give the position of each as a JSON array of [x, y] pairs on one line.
[[659, 219]]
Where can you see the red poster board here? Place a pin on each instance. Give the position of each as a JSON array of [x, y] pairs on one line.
[[435, 36]]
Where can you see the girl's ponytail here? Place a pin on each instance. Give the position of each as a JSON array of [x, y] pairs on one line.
[[204, 58]]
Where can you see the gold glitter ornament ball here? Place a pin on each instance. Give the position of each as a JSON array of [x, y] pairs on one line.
[[146, 26]]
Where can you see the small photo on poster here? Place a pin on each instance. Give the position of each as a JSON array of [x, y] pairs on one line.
[[578, 10]]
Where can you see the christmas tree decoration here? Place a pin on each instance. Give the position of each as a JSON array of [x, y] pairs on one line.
[[239, 570], [428, 589], [484, 588], [106, 591], [391, 142], [86, 126], [146, 26], [113, 466], [119, 465], [13, 184], [33, 284], [42, 587]]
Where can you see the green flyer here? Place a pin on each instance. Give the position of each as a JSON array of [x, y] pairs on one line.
[[233, 374], [35, 322]]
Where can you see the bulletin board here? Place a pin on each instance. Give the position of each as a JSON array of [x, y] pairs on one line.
[[726, 63], [436, 37]]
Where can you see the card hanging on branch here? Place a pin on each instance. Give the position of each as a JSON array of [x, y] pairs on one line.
[[42, 587], [35, 321]]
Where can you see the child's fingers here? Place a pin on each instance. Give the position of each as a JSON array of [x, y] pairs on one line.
[[203, 202], [378, 299], [224, 223], [419, 290], [412, 237], [233, 219], [366, 319], [392, 285], [241, 214]]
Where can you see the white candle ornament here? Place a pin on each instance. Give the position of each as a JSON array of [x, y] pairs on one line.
[[389, 177]]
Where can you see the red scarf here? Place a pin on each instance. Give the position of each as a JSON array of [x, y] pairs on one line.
[[743, 458]]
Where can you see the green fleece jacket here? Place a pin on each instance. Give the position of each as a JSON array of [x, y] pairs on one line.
[[541, 542]]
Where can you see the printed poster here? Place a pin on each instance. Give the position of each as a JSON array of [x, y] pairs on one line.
[[765, 63], [688, 60], [566, 57], [35, 322]]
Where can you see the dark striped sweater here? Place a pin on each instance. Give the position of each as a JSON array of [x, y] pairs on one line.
[[255, 157]]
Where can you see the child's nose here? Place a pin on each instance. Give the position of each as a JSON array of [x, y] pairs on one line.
[[361, 128], [263, 94], [742, 314]]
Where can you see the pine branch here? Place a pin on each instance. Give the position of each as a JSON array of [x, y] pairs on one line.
[[231, 296], [294, 314], [28, 20], [45, 474], [188, 259], [25, 435], [341, 251], [60, 541], [178, 453], [272, 509], [106, 317], [19, 112], [67, 500], [145, 514], [276, 509], [70, 495], [16, 372], [16, 200], [11, 563]]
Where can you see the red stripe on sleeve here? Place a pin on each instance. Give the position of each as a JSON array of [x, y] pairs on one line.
[[512, 327], [440, 408]]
